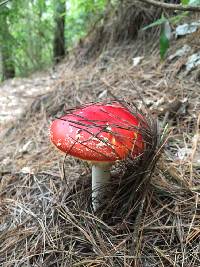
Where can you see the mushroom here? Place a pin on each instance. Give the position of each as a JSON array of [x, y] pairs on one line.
[[101, 133]]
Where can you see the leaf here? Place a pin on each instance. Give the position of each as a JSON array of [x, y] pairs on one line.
[[155, 23], [164, 39], [178, 18], [174, 19], [185, 2]]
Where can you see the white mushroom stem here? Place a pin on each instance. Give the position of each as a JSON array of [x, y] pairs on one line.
[[100, 179]]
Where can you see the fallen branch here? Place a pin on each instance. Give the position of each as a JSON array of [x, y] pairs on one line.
[[172, 6]]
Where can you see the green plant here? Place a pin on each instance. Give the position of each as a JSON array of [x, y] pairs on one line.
[[31, 27], [166, 23]]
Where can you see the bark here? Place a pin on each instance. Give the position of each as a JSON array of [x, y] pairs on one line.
[[8, 66], [59, 35]]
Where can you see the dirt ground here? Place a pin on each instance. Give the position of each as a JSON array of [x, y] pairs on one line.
[[19, 93], [41, 225]]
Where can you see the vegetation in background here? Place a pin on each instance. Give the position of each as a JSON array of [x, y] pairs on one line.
[[30, 28], [81, 15], [37, 33]]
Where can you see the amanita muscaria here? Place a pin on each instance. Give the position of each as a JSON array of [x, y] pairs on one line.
[[101, 133]]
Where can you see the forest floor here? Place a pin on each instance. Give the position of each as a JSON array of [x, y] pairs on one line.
[[18, 94], [39, 226]]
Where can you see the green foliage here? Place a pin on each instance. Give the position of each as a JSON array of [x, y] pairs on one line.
[[174, 20], [31, 26], [155, 23], [81, 15], [184, 2], [164, 39], [165, 26]]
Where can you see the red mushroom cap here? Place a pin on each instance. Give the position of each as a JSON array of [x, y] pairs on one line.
[[98, 132]]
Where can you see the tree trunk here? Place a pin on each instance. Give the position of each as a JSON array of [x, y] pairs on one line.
[[59, 35], [8, 66]]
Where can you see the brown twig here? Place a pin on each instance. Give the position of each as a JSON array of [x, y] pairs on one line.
[[172, 6]]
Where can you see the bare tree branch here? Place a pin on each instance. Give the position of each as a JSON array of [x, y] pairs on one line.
[[172, 6]]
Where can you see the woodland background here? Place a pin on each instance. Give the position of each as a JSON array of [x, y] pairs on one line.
[[34, 34]]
